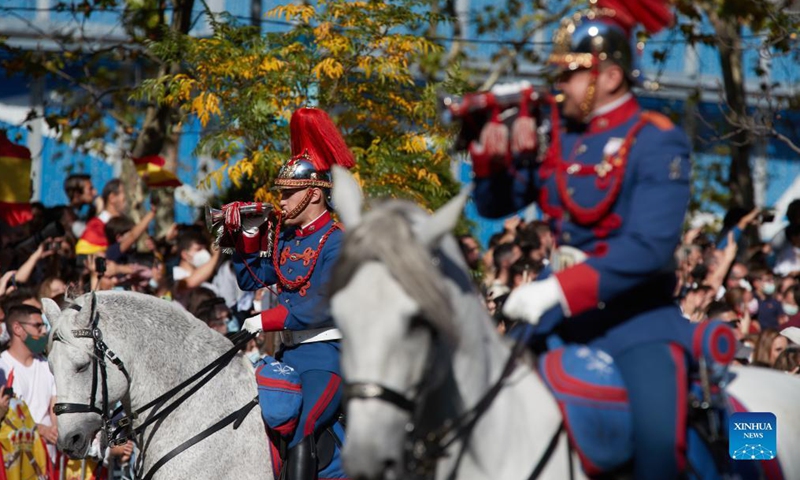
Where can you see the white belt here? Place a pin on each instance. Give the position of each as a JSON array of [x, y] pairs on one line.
[[291, 338]]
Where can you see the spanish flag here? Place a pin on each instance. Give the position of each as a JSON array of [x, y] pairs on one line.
[[94, 239], [15, 182], [151, 169]]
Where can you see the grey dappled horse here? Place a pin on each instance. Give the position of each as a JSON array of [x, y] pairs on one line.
[[414, 325], [160, 345]]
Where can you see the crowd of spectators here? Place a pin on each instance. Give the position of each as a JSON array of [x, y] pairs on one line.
[[91, 244], [721, 274]]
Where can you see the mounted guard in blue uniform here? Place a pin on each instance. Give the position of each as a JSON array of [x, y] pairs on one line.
[[295, 251], [614, 181]]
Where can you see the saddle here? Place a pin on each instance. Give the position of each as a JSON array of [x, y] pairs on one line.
[[593, 400]]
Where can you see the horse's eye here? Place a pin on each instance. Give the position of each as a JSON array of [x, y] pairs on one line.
[[82, 368], [417, 322]]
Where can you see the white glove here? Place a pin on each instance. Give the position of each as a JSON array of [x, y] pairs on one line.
[[529, 302], [250, 224], [253, 324]]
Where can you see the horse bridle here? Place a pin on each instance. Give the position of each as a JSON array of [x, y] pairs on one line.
[[422, 450], [100, 353], [416, 459], [125, 430]]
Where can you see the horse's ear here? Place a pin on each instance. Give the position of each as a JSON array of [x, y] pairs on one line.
[[52, 312], [444, 220], [347, 197]]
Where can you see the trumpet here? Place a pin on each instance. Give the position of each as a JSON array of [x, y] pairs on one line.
[[215, 222], [215, 218]]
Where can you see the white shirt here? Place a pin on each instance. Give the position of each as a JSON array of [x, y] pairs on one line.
[[179, 273], [788, 261], [34, 384]]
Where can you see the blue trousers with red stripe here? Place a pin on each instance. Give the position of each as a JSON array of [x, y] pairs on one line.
[[656, 378], [322, 395]]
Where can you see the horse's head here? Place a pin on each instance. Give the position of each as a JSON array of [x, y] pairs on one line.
[[393, 306], [78, 375]]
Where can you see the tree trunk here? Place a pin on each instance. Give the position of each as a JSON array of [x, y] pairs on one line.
[[740, 179], [159, 134]]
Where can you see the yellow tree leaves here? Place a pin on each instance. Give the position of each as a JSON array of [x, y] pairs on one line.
[[328, 67], [356, 59], [204, 105], [293, 12]]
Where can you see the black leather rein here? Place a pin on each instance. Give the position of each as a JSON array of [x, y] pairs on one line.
[[424, 449]]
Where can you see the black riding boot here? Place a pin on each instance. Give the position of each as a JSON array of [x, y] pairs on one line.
[[301, 462]]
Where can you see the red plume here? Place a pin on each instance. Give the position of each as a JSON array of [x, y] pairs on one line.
[[313, 131], [654, 15]]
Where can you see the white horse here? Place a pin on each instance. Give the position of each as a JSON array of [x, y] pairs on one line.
[[419, 350], [159, 346]]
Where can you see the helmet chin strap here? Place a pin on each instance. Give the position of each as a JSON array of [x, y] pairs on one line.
[[300, 206], [587, 105]]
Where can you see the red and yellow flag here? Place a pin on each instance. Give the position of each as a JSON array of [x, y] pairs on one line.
[[23, 452], [15, 182], [94, 238], [151, 169]]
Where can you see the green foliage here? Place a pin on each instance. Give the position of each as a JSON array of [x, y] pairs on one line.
[[357, 60], [88, 81]]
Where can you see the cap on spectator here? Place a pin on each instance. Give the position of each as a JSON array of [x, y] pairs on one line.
[[792, 333]]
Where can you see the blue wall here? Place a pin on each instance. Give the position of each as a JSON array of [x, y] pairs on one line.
[[60, 160]]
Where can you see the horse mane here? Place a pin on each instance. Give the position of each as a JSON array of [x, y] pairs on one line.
[[386, 235]]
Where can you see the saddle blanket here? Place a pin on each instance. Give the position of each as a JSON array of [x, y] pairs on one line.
[[280, 398], [594, 404], [593, 400], [279, 394]]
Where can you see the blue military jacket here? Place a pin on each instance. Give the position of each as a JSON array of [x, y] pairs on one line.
[[618, 191], [304, 257]]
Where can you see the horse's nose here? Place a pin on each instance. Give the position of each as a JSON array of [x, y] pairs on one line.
[[73, 445]]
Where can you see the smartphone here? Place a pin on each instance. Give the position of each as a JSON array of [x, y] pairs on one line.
[[154, 199], [100, 265], [767, 215]]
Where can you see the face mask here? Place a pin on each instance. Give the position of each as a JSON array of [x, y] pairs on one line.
[[752, 306], [201, 258], [768, 288], [36, 345], [4, 338], [233, 325], [257, 305], [254, 356], [790, 309]]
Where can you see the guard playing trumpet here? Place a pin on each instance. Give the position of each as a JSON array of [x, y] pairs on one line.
[[295, 252]]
